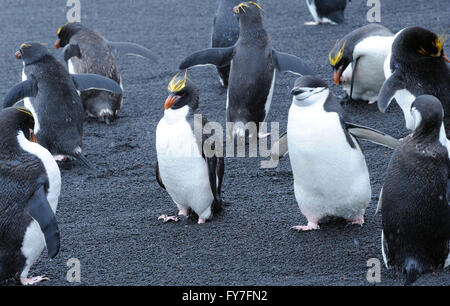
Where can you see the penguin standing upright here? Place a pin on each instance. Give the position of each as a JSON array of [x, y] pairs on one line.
[[358, 61], [50, 93], [191, 176], [225, 32], [253, 67], [30, 185], [416, 66], [326, 11], [415, 210], [86, 51]]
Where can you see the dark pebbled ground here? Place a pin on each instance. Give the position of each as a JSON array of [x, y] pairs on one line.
[[109, 220]]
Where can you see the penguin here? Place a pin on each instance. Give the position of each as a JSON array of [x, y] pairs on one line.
[[416, 65], [326, 11], [192, 177], [50, 93], [331, 178], [30, 186], [254, 63], [225, 32], [358, 59], [86, 51], [415, 211]]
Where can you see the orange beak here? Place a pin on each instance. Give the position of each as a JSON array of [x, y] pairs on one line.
[[33, 137], [18, 55], [170, 101], [337, 76], [57, 43], [445, 57]]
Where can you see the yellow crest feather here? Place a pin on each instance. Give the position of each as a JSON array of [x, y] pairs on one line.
[[438, 43], [177, 84], [242, 6], [24, 110], [256, 4], [334, 60], [25, 46]]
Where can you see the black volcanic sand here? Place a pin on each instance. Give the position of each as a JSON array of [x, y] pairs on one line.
[[109, 220]]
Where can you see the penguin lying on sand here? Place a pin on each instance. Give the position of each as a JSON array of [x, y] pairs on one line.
[[326, 11], [50, 93], [253, 67], [30, 184], [192, 178], [415, 209], [86, 51]]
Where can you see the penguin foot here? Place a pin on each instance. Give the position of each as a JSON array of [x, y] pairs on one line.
[[34, 280], [310, 227], [356, 221], [167, 218], [312, 23], [201, 221], [184, 212], [60, 158]]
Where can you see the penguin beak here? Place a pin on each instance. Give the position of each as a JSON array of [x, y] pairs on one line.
[[33, 137], [18, 55], [296, 91], [170, 101], [337, 75], [57, 44], [445, 57]]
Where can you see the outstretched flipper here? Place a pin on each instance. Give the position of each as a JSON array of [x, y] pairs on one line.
[[85, 82], [125, 48], [40, 210], [216, 56], [22, 90], [387, 92], [71, 50], [372, 135], [290, 63]]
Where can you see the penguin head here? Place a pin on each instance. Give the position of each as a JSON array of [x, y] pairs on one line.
[[428, 115], [416, 44], [66, 32], [309, 90], [249, 13], [31, 52], [340, 57], [182, 92], [16, 120]]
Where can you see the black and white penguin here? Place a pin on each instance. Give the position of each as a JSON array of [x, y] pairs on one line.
[[416, 66], [358, 61], [253, 68], [50, 93], [192, 177], [30, 185], [326, 11], [415, 210], [225, 32], [331, 178], [86, 51]]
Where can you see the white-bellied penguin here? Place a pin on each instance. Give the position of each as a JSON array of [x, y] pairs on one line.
[[50, 93], [86, 51], [358, 60], [192, 176], [415, 209], [30, 185], [331, 178], [254, 62], [417, 65], [326, 11]]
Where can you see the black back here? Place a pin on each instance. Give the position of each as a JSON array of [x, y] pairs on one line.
[[333, 9]]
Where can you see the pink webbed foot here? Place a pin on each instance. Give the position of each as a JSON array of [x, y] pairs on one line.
[[310, 227], [33, 280], [167, 218], [183, 212], [201, 221], [356, 221], [59, 158]]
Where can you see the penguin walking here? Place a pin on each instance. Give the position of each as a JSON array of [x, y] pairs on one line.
[[326, 11], [253, 69], [358, 61], [86, 51], [192, 177], [225, 32], [416, 65], [331, 178], [415, 209], [50, 93], [30, 185]]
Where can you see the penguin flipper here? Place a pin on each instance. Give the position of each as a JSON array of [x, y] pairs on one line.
[[280, 148], [372, 135], [336, 16], [71, 50], [388, 90], [290, 63], [215, 181], [40, 210], [158, 176], [215, 56], [22, 90], [132, 49], [84, 82], [354, 65]]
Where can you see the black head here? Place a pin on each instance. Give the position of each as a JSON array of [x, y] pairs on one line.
[[428, 115], [416, 44], [14, 120], [182, 92], [307, 88], [65, 33], [31, 52], [340, 57], [249, 14]]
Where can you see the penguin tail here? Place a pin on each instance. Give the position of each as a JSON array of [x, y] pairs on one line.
[[413, 270]]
